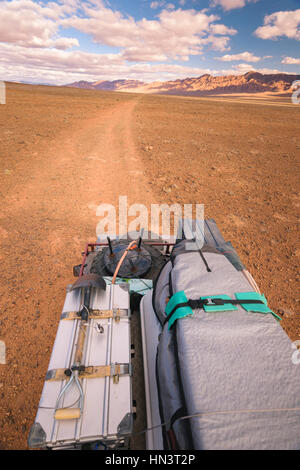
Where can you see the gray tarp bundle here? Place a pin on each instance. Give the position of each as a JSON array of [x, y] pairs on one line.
[[232, 369]]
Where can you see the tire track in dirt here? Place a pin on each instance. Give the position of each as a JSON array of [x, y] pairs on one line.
[[48, 216]]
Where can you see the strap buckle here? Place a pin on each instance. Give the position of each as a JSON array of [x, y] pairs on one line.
[[119, 369], [214, 302]]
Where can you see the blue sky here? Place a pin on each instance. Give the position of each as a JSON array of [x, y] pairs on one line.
[[67, 40]]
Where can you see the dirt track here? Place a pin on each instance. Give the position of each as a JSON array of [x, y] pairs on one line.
[[65, 151], [56, 169]]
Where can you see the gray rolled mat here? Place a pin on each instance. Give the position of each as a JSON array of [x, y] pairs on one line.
[[234, 369]]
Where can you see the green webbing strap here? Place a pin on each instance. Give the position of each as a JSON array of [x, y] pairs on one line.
[[179, 306], [258, 308], [218, 308]]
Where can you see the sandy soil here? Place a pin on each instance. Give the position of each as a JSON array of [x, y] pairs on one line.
[[65, 151], [241, 161]]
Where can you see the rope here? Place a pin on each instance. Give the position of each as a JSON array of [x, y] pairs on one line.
[[121, 261], [204, 413]]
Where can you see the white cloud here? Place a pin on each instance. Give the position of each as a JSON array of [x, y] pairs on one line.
[[65, 43], [220, 29], [230, 4], [53, 66], [61, 67], [30, 24], [290, 61], [136, 54], [244, 68], [161, 4], [175, 34], [281, 23], [246, 56], [33, 47]]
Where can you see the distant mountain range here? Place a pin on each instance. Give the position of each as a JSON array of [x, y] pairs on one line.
[[251, 82]]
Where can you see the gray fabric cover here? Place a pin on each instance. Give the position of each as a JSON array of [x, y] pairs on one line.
[[169, 387], [234, 367], [213, 242], [162, 291]]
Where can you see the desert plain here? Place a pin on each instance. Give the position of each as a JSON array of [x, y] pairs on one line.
[[65, 151]]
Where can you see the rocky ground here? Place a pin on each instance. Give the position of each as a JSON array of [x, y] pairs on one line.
[[241, 161], [65, 151]]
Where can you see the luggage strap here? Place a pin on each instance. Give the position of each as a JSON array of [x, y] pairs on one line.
[[116, 313], [179, 306], [90, 372]]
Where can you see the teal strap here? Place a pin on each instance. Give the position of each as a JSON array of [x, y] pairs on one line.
[[259, 308], [179, 306], [218, 308], [181, 312]]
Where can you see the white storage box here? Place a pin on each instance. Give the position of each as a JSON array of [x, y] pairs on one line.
[[107, 416]]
